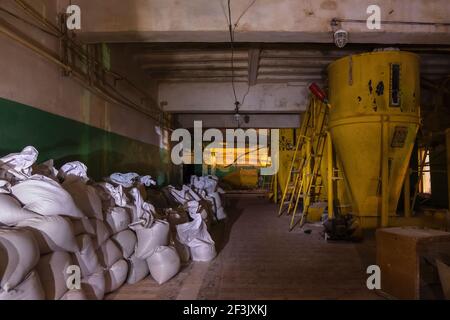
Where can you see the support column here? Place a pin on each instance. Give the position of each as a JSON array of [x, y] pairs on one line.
[[407, 194], [385, 174], [330, 176], [448, 164]]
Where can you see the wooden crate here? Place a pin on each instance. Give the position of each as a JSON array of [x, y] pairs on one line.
[[398, 256]]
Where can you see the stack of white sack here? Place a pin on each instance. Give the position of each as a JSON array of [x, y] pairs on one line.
[[192, 238], [195, 236], [105, 230], [37, 206], [186, 195], [52, 230], [92, 232], [153, 246], [208, 188]]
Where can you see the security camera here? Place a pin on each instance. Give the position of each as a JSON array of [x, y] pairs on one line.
[[341, 38]]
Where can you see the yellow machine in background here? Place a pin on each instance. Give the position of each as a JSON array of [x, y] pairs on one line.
[[371, 117], [374, 119]]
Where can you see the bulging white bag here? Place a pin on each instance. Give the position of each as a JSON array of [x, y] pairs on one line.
[[72, 170], [85, 198], [115, 277], [118, 219], [86, 258], [19, 254], [46, 197], [52, 270], [52, 233], [203, 252], [138, 270], [29, 289], [94, 286], [196, 236], [20, 164], [82, 226], [109, 253], [149, 239], [74, 295], [11, 211], [126, 240], [164, 264]]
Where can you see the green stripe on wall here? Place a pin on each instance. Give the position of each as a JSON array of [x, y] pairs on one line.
[[65, 140]]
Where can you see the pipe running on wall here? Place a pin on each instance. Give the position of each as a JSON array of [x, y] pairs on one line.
[[108, 92]]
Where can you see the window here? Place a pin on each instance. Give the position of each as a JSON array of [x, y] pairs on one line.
[[425, 180]]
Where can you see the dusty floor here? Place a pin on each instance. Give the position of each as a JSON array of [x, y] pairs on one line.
[[259, 259]]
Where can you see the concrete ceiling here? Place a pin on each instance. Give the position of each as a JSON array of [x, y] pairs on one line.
[[260, 63]]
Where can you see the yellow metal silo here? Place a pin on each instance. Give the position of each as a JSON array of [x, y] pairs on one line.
[[373, 120]]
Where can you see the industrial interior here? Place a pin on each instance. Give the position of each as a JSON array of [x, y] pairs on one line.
[[224, 150]]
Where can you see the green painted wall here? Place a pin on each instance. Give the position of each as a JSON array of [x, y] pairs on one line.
[[67, 140]]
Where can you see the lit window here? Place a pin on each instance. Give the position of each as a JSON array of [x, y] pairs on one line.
[[425, 181]]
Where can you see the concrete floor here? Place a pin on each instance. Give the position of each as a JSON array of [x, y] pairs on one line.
[[259, 259]]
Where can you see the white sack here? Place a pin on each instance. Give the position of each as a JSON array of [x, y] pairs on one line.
[[46, 197], [85, 198], [19, 254], [73, 169], [52, 233], [164, 264], [149, 239], [126, 241], [94, 286], [178, 195], [203, 252], [74, 295], [196, 236], [115, 193], [191, 194], [138, 203], [52, 270], [117, 219], [82, 226], [147, 181], [194, 208], [109, 253], [218, 209], [29, 289], [19, 164], [126, 180], [115, 277], [11, 211], [138, 270], [102, 232], [86, 258]]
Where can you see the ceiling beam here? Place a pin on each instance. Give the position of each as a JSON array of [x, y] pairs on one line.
[[254, 57]]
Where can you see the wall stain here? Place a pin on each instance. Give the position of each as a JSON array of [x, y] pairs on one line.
[[328, 5]]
